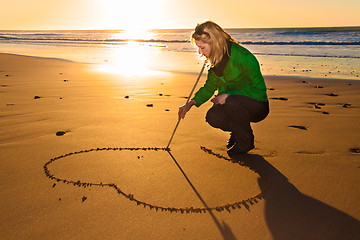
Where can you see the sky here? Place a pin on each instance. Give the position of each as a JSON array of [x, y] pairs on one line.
[[147, 14]]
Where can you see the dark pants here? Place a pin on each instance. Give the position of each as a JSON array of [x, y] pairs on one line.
[[235, 116]]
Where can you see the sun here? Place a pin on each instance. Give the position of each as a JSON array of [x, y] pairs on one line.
[[131, 15], [133, 19]]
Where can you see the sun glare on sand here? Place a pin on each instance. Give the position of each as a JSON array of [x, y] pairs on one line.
[[131, 59]]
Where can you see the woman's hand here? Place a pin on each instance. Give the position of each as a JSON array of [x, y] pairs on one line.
[[185, 108], [220, 99]]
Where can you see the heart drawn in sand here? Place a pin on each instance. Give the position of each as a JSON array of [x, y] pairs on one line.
[[189, 209]]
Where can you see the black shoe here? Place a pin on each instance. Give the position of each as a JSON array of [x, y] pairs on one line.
[[230, 143]]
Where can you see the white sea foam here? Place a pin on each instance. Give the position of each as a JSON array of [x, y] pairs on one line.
[[313, 52]]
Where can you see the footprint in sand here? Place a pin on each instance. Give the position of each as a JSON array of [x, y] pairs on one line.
[[298, 127], [355, 150], [280, 98], [313, 103], [61, 133], [316, 105]]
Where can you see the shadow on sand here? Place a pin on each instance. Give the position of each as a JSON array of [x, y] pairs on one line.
[[292, 215], [224, 229]]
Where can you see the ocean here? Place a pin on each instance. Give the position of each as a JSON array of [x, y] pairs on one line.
[[311, 52]]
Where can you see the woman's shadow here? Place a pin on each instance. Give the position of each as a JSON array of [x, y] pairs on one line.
[[291, 214]]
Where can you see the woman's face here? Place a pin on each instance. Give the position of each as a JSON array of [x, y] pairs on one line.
[[204, 48]]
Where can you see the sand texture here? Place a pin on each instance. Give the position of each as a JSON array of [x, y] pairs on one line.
[[83, 157]]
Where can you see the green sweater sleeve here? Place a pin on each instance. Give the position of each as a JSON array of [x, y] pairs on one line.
[[206, 91]]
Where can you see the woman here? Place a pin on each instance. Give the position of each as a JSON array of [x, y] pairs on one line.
[[235, 74]]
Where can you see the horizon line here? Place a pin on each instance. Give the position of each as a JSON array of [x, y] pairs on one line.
[[145, 29]]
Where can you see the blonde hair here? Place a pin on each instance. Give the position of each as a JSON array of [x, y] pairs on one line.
[[211, 33]]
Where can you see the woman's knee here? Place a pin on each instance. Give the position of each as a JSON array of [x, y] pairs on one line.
[[215, 116]]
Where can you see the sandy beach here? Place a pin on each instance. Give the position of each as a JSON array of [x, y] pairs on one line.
[[82, 157]]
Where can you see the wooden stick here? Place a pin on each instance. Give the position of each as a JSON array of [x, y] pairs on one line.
[[187, 101]]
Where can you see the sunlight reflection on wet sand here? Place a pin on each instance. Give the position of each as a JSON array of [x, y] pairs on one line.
[[131, 59]]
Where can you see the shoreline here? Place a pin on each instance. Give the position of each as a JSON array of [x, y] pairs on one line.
[[31, 56], [270, 76]]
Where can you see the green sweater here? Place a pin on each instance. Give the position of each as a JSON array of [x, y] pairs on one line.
[[241, 76]]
